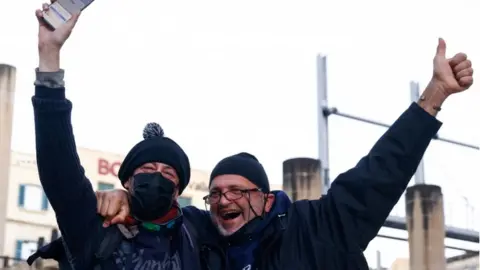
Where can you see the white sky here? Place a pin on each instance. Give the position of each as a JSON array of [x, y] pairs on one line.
[[223, 77]]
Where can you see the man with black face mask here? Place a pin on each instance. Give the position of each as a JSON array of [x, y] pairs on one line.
[[155, 172]]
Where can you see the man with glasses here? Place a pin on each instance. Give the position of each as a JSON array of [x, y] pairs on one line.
[[261, 229], [239, 192]]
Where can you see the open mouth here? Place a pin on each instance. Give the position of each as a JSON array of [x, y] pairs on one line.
[[230, 215]]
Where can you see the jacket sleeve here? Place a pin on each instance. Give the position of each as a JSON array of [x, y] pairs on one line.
[[360, 199], [67, 188]]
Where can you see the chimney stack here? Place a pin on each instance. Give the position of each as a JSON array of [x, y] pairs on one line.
[[7, 95]]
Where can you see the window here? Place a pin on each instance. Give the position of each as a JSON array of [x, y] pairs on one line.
[[23, 249], [32, 197], [105, 186], [184, 201]]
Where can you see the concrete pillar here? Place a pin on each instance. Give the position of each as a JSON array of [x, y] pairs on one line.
[[7, 93], [426, 227], [301, 178]]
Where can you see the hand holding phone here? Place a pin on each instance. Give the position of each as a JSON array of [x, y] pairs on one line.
[[50, 41], [60, 11]]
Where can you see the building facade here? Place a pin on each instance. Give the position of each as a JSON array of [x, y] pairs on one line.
[[28, 215]]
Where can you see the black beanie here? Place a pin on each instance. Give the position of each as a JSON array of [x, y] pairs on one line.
[[243, 164], [156, 148]]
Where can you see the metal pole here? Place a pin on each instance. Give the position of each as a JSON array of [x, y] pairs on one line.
[[323, 122], [335, 111], [415, 96], [379, 260], [457, 143], [405, 239], [467, 212]]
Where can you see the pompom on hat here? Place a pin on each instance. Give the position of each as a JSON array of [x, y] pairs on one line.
[[156, 148]]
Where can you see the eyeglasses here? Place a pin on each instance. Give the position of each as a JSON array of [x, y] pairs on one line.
[[231, 195]]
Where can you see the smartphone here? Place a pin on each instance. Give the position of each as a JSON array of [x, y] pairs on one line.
[[61, 11]]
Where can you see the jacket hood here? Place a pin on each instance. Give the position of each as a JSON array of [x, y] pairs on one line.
[[281, 204], [257, 225], [280, 207]]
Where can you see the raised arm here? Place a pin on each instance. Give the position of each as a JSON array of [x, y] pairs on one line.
[[68, 190], [360, 200]]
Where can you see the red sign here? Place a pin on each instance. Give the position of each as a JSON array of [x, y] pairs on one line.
[[107, 168]]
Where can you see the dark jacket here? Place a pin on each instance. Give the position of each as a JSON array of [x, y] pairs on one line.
[[331, 233], [72, 197]]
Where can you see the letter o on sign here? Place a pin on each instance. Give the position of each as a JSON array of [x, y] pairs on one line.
[[107, 168]]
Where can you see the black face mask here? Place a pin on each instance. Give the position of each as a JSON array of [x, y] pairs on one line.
[[152, 196]]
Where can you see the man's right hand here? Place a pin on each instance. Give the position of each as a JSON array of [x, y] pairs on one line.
[[113, 205], [51, 41]]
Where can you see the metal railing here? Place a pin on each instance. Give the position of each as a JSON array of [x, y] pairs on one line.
[[325, 111]]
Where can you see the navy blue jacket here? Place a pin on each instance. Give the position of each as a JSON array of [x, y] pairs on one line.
[[72, 197], [331, 233]]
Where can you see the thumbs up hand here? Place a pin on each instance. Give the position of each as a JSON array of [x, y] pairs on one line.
[[454, 74], [450, 76]]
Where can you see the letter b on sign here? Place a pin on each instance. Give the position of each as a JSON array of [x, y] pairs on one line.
[[107, 168]]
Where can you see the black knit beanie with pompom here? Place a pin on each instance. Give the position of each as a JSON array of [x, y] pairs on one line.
[[156, 148]]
